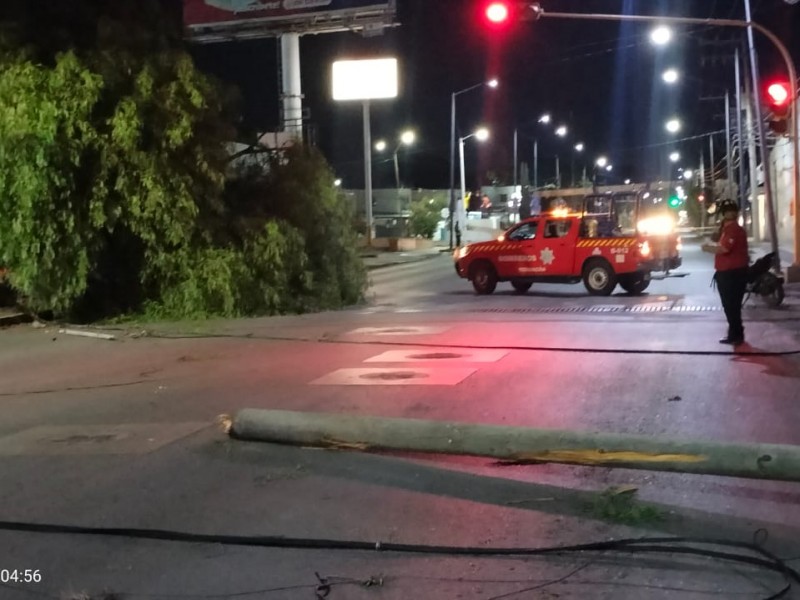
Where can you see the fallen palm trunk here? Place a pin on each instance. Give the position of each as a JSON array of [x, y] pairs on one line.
[[519, 444]]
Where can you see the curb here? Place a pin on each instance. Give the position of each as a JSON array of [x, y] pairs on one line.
[[9, 319], [395, 263]]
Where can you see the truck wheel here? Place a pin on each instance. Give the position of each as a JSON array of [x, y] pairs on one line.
[[521, 286], [634, 283], [484, 277], [599, 278]]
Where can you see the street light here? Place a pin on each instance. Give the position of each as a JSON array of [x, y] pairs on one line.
[[670, 76], [481, 134], [661, 35], [407, 138], [579, 147], [673, 125], [687, 174], [337, 182], [675, 157], [602, 162], [545, 118], [491, 83], [561, 131], [380, 145]]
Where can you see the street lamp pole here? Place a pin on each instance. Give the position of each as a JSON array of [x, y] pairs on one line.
[[750, 25], [492, 83]]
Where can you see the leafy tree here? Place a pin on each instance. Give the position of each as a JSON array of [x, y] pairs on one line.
[[297, 188], [112, 180], [425, 216], [102, 148]]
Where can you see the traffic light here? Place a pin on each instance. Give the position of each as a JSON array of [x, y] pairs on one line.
[[498, 13], [779, 100], [501, 14], [674, 201]]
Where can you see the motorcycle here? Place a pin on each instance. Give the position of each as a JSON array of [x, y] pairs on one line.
[[763, 281]]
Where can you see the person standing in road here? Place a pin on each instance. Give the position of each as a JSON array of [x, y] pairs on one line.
[[731, 261]]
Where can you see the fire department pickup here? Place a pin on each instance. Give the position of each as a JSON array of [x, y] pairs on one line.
[[569, 248]]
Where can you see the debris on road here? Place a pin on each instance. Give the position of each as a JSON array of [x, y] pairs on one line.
[[88, 334]]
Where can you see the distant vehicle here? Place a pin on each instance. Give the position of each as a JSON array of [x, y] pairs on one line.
[[616, 239]]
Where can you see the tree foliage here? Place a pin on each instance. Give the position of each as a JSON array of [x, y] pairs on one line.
[[425, 216], [112, 180]]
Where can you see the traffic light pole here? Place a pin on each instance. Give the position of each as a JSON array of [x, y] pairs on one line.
[[794, 271]]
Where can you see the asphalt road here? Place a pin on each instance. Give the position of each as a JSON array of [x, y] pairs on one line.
[[122, 434]]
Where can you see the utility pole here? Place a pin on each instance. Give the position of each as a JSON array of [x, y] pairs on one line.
[[740, 139], [752, 157], [704, 205], [729, 161], [516, 161], [762, 134]]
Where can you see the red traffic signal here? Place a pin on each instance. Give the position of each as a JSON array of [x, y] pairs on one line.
[[498, 13], [779, 98], [778, 94]]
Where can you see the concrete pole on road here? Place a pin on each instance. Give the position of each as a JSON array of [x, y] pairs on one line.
[[519, 444]]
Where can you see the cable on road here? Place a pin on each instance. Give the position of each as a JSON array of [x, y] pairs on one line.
[[758, 556], [561, 349]]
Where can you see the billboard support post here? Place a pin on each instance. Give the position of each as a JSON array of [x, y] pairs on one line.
[[292, 92]]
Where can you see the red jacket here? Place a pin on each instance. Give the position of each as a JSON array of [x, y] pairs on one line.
[[733, 240]]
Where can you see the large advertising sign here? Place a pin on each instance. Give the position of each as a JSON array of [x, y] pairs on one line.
[[271, 15]]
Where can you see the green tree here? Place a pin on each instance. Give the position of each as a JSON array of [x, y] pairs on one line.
[[425, 216], [100, 148], [297, 188]]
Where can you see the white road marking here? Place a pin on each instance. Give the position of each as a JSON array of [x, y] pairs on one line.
[[443, 355], [395, 376]]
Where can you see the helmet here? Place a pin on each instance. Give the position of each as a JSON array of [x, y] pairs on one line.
[[727, 205]]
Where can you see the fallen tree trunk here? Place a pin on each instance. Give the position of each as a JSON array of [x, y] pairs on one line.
[[519, 444]]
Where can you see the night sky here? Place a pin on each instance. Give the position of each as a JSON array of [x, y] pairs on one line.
[[602, 80]]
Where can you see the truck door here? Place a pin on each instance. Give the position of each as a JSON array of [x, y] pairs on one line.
[[518, 257], [556, 246]]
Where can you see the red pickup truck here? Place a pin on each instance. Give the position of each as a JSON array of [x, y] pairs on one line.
[[569, 248]]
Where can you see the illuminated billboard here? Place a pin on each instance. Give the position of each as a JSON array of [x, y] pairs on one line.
[[219, 20], [365, 79]]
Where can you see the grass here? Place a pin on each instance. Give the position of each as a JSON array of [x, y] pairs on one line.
[[620, 505]]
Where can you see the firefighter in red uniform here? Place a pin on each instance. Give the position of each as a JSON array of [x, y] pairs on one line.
[[731, 261]]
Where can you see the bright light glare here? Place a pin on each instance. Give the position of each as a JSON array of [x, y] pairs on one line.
[[670, 76], [663, 225], [561, 131], [337, 182], [497, 12], [545, 118], [673, 125], [627, 182], [579, 147], [560, 212], [687, 174], [408, 137], [602, 162], [609, 168], [482, 134], [661, 36], [365, 79], [493, 83], [779, 93], [675, 156], [380, 145]]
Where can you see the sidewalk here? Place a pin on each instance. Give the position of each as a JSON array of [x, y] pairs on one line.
[[378, 258]]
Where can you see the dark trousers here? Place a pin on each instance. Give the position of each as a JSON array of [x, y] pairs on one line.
[[731, 286]]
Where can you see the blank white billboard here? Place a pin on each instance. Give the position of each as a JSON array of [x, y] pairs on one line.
[[372, 79]]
